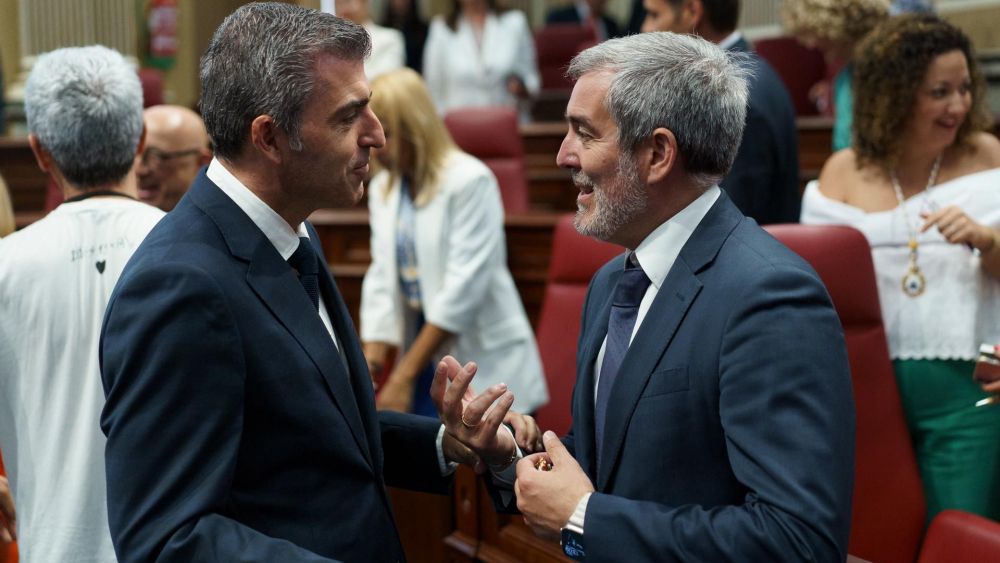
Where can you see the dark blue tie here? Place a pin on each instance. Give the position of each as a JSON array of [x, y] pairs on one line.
[[628, 294], [306, 263]]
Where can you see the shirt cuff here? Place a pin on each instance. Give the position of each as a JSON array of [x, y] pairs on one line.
[[578, 516], [446, 467]]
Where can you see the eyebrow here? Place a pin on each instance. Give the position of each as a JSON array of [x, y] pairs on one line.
[[580, 122], [349, 107]]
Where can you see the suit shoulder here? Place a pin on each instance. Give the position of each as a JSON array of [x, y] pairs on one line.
[[759, 255]]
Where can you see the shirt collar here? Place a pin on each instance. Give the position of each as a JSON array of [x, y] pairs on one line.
[[281, 235], [659, 250], [730, 40]]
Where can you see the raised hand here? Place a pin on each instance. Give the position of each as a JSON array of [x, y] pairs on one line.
[[549, 486]]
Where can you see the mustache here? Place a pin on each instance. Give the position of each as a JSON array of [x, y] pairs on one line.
[[580, 178]]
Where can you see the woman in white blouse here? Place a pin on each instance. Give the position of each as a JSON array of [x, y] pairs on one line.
[[438, 282], [922, 182], [480, 56]]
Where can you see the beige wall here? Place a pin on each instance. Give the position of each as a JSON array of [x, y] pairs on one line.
[[10, 38]]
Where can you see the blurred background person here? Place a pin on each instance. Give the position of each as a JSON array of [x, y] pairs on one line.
[[7, 224], [177, 146], [84, 112], [921, 182], [387, 43], [480, 55], [589, 13], [438, 282], [404, 16], [764, 179], [834, 27]]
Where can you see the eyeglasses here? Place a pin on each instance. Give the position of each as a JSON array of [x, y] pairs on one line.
[[154, 158]]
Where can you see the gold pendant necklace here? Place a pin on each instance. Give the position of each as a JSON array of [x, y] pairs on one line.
[[913, 282]]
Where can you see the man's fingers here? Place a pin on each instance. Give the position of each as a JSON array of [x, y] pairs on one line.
[[555, 448], [453, 395], [472, 416], [496, 414], [439, 385]]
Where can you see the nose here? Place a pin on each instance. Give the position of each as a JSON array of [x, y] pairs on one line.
[[567, 157], [374, 136]]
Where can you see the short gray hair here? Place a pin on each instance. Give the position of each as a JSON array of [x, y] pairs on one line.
[[261, 61], [85, 106], [680, 82]]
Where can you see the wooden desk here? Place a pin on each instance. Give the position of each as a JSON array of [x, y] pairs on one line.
[[345, 236]]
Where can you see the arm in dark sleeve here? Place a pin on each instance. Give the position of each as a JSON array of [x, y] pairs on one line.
[[173, 373], [410, 446], [787, 411]]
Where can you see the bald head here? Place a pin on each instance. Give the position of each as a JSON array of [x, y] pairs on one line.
[[176, 148]]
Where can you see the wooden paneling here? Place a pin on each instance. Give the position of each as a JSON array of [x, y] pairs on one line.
[[24, 179]]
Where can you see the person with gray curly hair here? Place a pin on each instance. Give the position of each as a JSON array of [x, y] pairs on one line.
[[84, 110], [712, 413], [240, 415]]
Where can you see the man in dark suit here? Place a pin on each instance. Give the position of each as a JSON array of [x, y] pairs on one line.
[[764, 180], [712, 415], [240, 416], [586, 12]]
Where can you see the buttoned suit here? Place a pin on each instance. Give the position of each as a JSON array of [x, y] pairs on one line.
[[730, 426], [236, 430]]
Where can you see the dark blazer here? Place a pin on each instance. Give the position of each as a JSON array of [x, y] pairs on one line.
[[764, 179], [236, 431], [730, 428], [569, 14]]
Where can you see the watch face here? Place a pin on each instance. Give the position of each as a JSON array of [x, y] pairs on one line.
[[572, 544]]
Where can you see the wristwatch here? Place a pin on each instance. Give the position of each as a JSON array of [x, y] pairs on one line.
[[571, 539]]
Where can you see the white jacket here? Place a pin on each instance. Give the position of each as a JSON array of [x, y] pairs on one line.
[[465, 285]]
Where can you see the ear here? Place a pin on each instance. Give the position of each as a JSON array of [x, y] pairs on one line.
[[264, 137], [141, 147], [42, 155], [692, 12], [204, 157], [663, 155]]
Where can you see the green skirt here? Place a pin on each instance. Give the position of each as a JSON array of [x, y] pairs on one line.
[[957, 444]]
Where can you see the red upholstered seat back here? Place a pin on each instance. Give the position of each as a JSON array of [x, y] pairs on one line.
[[575, 259], [8, 553], [888, 515], [152, 86], [555, 46], [799, 67], [491, 134], [960, 536]]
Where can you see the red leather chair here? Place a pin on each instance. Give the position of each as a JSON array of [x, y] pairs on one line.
[[152, 86], [491, 134], [959, 536], [555, 46], [887, 523], [799, 67], [575, 259]]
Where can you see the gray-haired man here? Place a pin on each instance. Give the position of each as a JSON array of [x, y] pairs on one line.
[[84, 110], [712, 416]]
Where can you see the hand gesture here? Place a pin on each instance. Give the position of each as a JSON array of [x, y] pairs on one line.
[[473, 420], [549, 486], [958, 228]]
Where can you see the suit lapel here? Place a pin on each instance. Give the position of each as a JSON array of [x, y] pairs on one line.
[[274, 282], [673, 300], [360, 379]]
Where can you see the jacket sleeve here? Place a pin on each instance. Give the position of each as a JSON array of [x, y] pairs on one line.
[[787, 411], [173, 374], [476, 248]]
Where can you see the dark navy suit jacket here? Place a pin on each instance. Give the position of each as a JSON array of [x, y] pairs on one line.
[[236, 432], [730, 428], [764, 179], [569, 14]]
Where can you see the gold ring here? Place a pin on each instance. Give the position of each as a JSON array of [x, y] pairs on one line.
[[466, 424]]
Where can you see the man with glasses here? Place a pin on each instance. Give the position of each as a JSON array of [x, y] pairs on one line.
[[177, 147]]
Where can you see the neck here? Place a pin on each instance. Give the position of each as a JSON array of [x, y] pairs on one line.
[[128, 186], [664, 202], [914, 169], [475, 14], [709, 34], [266, 184]]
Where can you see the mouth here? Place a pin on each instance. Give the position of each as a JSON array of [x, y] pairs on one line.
[[363, 169], [948, 123], [148, 192]]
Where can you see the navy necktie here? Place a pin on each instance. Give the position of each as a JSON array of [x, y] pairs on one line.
[[306, 262], [628, 294]]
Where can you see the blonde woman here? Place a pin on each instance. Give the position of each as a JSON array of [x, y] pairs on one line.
[[7, 224], [835, 27], [438, 282]]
